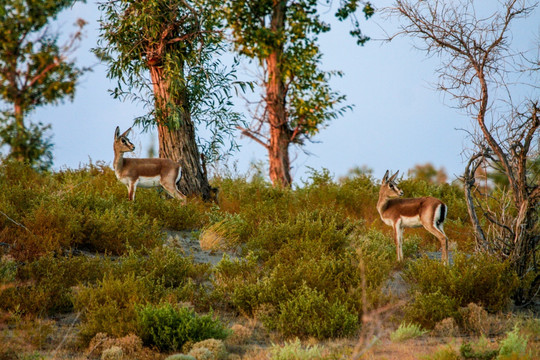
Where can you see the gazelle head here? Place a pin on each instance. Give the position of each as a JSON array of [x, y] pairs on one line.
[[121, 142], [389, 188]]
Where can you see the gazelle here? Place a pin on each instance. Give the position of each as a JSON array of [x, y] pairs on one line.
[[428, 212], [148, 172]]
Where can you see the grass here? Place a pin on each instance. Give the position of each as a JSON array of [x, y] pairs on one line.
[[407, 331]]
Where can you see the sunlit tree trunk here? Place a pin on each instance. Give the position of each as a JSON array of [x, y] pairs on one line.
[[278, 149], [178, 142]]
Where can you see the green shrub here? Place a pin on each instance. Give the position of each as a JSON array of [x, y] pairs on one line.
[[309, 313], [110, 306], [438, 291], [8, 269], [446, 353], [169, 328], [294, 351], [479, 350], [513, 346], [406, 332]]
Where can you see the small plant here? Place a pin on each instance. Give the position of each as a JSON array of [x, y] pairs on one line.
[[514, 346], [8, 269], [479, 350], [169, 328], [406, 332], [446, 353], [294, 351]]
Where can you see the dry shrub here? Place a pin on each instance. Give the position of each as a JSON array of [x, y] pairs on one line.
[[130, 345], [240, 334], [211, 240], [477, 321], [210, 349], [446, 327]]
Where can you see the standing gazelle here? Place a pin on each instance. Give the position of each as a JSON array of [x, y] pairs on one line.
[[148, 172], [428, 212]]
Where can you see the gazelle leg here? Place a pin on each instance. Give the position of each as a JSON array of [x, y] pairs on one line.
[[439, 234], [398, 234], [173, 191], [131, 191]]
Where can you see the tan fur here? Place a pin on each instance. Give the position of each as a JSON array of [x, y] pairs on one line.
[[407, 213], [147, 172]]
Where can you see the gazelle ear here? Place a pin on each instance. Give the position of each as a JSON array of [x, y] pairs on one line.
[[394, 176], [385, 177], [117, 132], [126, 132]]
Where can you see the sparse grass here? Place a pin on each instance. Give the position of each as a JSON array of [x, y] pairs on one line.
[[295, 351], [406, 332]]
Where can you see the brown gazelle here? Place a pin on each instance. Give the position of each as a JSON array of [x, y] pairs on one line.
[[149, 172], [428, 212]]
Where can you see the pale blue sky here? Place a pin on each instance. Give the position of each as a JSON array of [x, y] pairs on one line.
[[398, 121]]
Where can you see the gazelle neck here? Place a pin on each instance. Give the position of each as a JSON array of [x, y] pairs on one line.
[[118, 161], [381, 204]]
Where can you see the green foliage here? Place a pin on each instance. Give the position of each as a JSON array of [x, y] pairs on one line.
[[438, 290], [513, 346], [446, 353], [479, 350], [183, 40], [35, 72], [169, 328], [295, 351], [406, 332], [308, 313], [8, 270]]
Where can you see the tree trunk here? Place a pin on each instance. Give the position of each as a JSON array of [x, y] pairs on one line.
[[278, 150], [177, 141], [19, 149]]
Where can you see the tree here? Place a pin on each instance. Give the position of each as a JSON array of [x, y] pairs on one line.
[[165, 53], [298, 101], [428, 173], [34, 71], [479, 73]]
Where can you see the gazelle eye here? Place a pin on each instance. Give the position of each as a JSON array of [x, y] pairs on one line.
[[391, 186]]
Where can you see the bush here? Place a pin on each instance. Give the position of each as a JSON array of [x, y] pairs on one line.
[[406, 332], [479, 350], [294, 351], [309, 313], [514, 346], [438, 291], [110, 306], [169, 328]]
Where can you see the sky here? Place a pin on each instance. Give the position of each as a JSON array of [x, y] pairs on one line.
[[398, 119]]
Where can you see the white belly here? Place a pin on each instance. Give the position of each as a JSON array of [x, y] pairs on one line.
[[148, 182], [410, 222]]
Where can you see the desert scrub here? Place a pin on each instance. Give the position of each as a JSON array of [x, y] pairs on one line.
[[308, 313], [44, 286], [438, 291], [295, 350], [168, 328], [480, 349], [407, 331], [514, 346]]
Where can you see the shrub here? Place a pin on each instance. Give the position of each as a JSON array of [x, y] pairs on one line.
[[294, 351], [446, 353], [406, 332], [513, 346], [438, 291], [213, 349], [169, 328], [110, 306], [428, 309], [479, 350], [8, 269], [309, 313]]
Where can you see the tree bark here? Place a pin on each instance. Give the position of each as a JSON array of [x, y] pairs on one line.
[[18, 148], [278, 150], [177, 141]]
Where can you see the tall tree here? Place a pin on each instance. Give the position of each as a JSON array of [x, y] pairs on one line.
[[34, 71], [479, 72], [166, 54], [298, 101]]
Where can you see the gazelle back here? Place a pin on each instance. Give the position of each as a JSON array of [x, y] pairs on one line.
[[146, 172], [427, 212]]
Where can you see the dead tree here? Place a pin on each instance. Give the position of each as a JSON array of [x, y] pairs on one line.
[[478, 71]]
